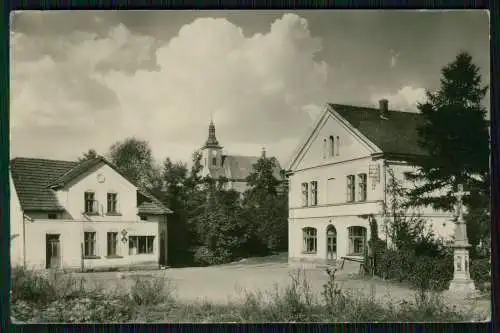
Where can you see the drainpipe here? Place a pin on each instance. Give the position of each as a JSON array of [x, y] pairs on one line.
[[384, 171]]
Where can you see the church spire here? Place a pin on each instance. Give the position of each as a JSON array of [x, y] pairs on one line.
[[212, 140]]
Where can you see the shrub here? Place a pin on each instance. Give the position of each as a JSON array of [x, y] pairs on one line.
[[204, 256], [145, 292], [31, 286], [480, 272]]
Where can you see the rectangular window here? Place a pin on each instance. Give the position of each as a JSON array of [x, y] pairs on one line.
[[112, 243], [144, 218], [112, 203], [331, 190], [350, 188], [90, 203], [89, 244], [310, 240], [140, 244], [314, 193], [305, 194], [52, 216], [362, 187]]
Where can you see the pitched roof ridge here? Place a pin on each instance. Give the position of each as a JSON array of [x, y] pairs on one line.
[[78, 164], [40, 159], [371, 108]]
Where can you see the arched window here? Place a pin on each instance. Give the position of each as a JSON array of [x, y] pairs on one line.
[[332, 146], [214, 160], [337, 143], [357, 241], [324, 148], [310, 241]]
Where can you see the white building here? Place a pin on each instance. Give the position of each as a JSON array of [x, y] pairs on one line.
[[337, 177], [82, 215]]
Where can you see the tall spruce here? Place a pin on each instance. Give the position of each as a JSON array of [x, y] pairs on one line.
[[455, 135]]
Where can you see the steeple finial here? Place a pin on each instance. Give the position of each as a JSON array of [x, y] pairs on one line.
[[212, 140]]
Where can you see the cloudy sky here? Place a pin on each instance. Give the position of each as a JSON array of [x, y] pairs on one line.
[[83, 80]]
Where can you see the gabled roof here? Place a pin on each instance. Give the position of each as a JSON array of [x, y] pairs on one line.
[[395, 134], [35, 178], [32, 178], [236, 167]]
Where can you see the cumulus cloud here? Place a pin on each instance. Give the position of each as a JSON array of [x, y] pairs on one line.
[[260, 89], [405, 99]]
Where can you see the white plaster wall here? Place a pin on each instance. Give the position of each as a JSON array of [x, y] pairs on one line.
[[340, 223], [350, 146], [339, 172], [16, 227], [71, 238], [72, 197]]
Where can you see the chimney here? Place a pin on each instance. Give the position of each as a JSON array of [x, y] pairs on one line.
[[384, 108], [263, 152]]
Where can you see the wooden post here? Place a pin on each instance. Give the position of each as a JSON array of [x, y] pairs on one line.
[[81, 256]]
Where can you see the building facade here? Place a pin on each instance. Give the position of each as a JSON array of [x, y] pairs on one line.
[[234, 168], [83, 216], [338, 180]]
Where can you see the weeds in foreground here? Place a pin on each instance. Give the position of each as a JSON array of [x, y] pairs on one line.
[[152, 300]]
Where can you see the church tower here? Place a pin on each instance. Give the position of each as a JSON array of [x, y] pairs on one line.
[[211, 151]]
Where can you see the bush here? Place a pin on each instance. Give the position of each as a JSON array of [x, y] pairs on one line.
[[31, 286], [145, 292], [204, 256], [480, 273]]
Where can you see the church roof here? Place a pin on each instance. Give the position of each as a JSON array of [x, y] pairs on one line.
[[236, 167], [397, 133], [35, 178]]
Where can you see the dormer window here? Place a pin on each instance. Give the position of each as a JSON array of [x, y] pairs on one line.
[[331, 147]]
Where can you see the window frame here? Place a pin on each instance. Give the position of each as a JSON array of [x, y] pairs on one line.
[[350, 188], [353, 237], [112, 243], [87, 195], [362, 187], [90, 244], [145, 242], [305, 194], [314, 193], [309, 240], [112, 203]]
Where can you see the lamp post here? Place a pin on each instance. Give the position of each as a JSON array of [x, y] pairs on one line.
[[461, 284]]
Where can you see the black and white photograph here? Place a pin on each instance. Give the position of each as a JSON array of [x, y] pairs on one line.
[[250, 166]]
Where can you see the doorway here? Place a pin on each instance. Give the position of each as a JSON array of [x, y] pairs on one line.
[[331, 243], [53, 251]]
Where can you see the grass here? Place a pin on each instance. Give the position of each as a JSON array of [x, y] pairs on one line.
[[38, 299]]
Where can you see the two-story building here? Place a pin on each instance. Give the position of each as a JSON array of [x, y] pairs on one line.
[[83, 215], [338, 177]]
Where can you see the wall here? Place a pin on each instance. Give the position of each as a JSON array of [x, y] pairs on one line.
[[340, 223], [16, 227], [72, 197], [351, 147], [71, 238], [338, 193]]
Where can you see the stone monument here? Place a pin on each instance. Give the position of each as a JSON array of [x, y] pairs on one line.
[[461, 284]]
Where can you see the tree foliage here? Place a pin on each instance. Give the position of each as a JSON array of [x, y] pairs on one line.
[[135, 159], [455, 135], [89, 155]]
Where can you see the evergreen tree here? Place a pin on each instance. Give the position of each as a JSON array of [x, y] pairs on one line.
[[455, 135]]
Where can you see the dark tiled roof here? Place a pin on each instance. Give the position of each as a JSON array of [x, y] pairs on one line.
[[239, 167], [151, 208], [34, 177], [395, 135]]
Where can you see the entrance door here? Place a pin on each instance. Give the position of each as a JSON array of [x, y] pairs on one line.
[[53, 258], [162, 248], [331, 243]]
